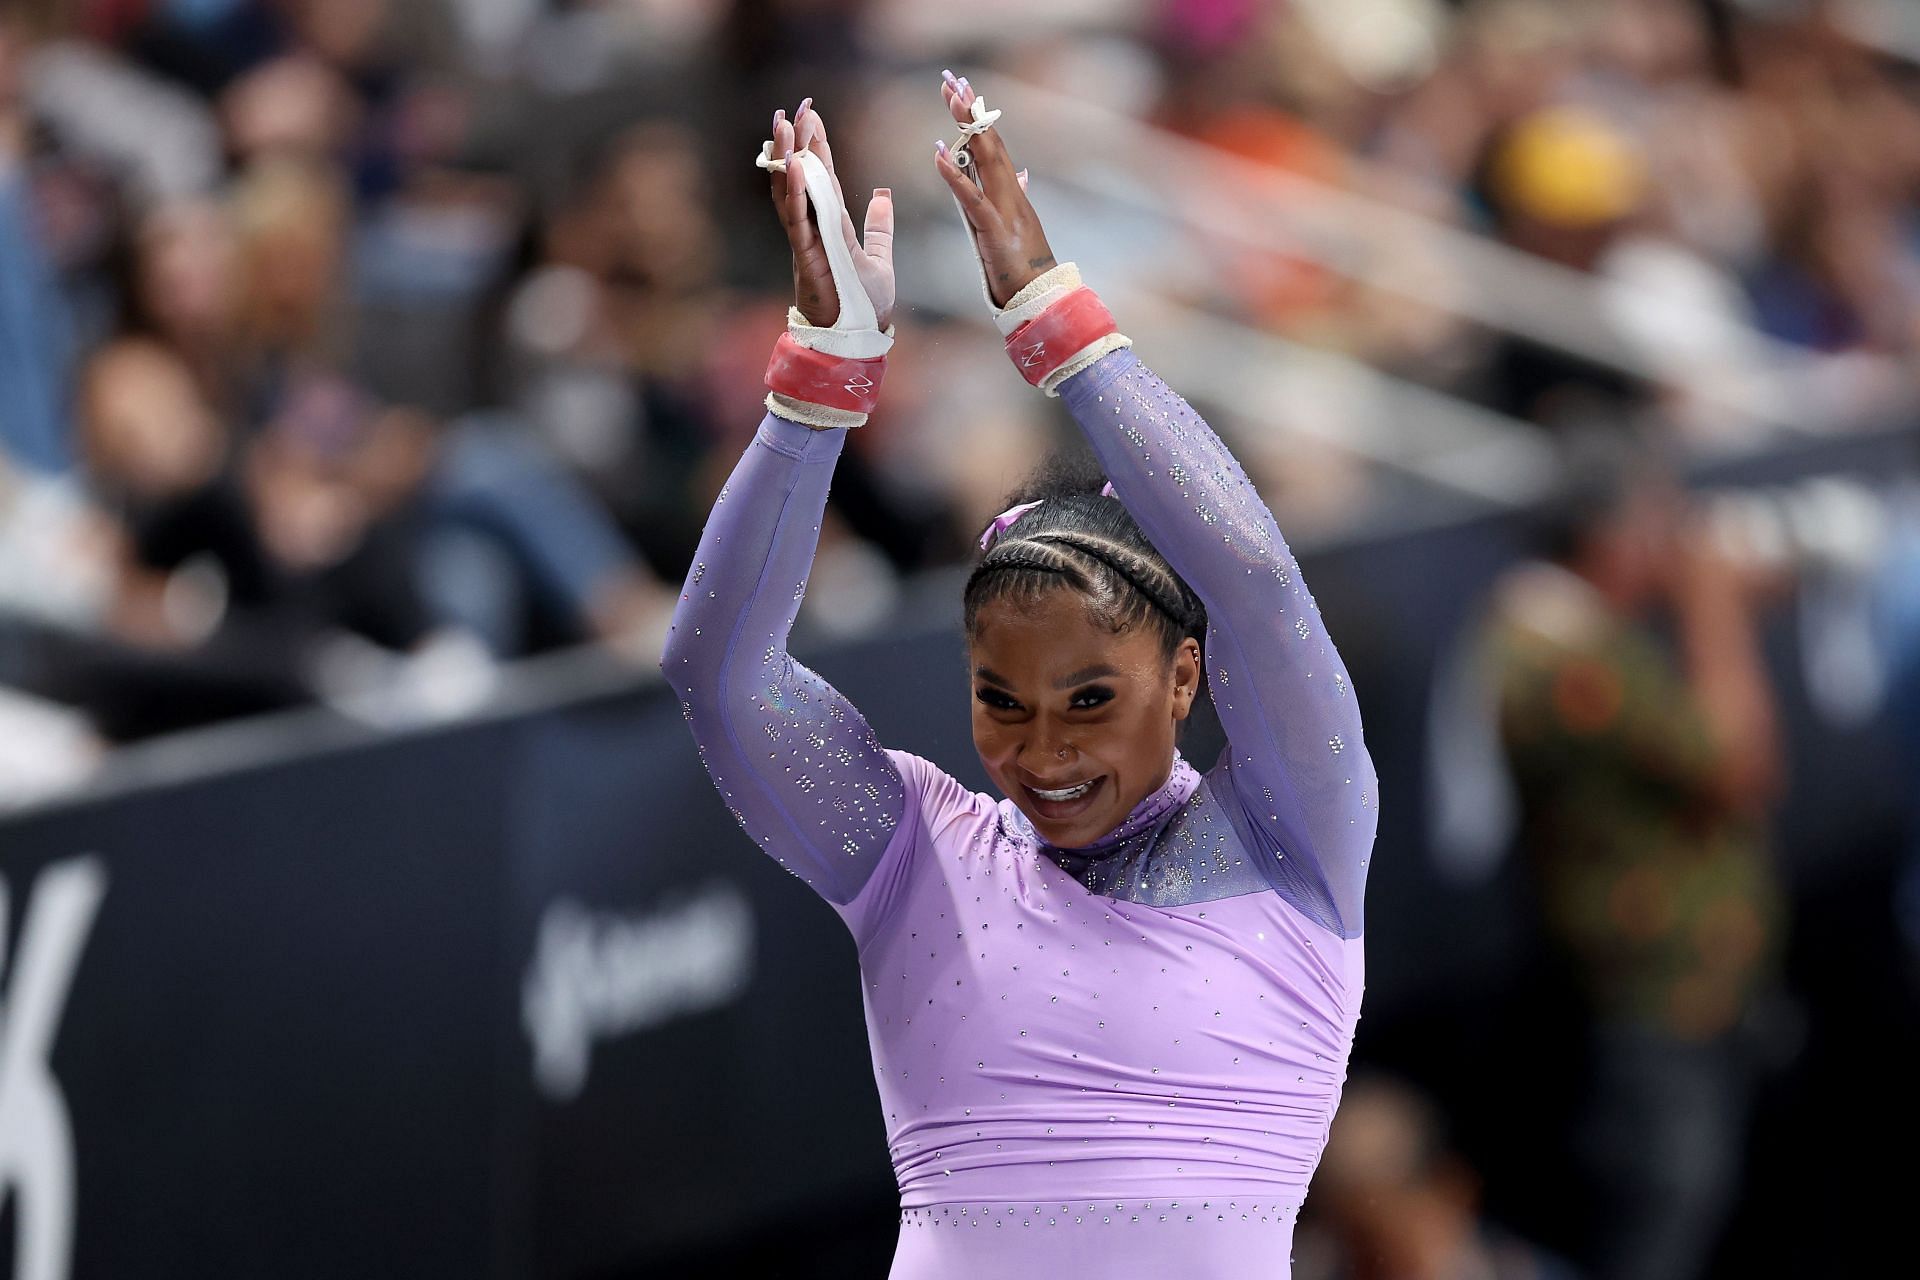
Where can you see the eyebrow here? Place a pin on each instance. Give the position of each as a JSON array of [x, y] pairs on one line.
[[1067, 681]]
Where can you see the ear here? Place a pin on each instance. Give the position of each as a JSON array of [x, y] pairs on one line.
[[1186, 677]]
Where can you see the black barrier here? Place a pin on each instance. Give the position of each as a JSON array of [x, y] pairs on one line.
[[517, 998], [512, 998], [275, 1053], [693, 1053]]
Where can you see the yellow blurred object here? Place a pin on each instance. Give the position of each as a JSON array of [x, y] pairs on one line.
[[1570, 168]]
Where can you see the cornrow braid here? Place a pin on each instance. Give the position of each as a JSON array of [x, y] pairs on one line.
[[1077, 537], [1137, 571], [1029, 555]]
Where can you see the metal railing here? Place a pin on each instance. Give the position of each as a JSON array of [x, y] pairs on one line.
[[1138, 169]]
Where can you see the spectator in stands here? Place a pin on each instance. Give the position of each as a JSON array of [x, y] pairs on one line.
[[156, 455], [328, 183], [183, 263], [241, 566], [608, 335], [1646, 779], [293, 218], [1393, 1203]]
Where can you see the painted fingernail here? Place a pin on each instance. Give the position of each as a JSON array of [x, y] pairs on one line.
[[804, 104], [940, 147], [882, 191], [964, 84], [1023, 177], [778, 116], [947, 76]]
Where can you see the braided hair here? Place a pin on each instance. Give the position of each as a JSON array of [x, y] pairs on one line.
[[1079, 538]]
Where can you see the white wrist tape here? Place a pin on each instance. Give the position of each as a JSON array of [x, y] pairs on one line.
[[1083, 359], [821, 417], [1040, 293]]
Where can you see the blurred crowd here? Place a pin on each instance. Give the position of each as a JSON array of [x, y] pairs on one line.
[[345, 340], [349, 348], [1738, 176]]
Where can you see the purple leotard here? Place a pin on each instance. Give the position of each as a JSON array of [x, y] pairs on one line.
[[1116, 1061]]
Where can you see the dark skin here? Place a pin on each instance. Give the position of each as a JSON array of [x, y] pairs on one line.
[[1061, 701], [1013, 245]]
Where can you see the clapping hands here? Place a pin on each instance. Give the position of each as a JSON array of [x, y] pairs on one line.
[[1005, 228]]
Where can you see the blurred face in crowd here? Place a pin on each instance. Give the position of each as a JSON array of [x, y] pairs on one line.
[[656, 192], [293, 221], [146, 431], [1653, 40], [1074, 722], [1629, 551], [345, 32], [310, 512], [328, 466], [189, 270], [297, 105], [1392, 1192]]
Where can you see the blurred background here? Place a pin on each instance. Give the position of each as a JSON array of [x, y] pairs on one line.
[[368, 367]]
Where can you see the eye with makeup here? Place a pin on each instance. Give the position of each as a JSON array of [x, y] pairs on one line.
[[1094, 695], [992, 697], [1087, 699]]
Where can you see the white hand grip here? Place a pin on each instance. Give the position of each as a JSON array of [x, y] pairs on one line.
[[856, 308]]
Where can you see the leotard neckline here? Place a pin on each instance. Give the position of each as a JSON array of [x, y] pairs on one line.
[[1182, 781]]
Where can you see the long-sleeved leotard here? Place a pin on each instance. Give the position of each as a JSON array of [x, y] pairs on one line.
[[1149, 1033]]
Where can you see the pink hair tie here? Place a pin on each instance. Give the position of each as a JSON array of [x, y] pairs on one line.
[[1002, 522]]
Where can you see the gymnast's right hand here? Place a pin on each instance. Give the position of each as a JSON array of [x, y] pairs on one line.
[[813, 290]]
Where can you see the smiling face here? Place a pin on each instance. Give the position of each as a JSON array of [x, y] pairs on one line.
[[1074, 722]]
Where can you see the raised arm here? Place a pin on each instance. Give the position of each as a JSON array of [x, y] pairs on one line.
[[1296, 763], [798, 766], [1295, 757]]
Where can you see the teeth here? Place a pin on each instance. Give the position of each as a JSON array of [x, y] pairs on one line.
[[1071, 793]]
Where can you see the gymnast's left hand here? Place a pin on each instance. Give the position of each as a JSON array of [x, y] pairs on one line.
[[1013, 247]]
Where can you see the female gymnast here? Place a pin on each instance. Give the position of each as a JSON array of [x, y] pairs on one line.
[[1110, 1014]]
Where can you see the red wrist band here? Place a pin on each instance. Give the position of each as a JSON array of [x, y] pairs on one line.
[[1058, 334], [814, 377]]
